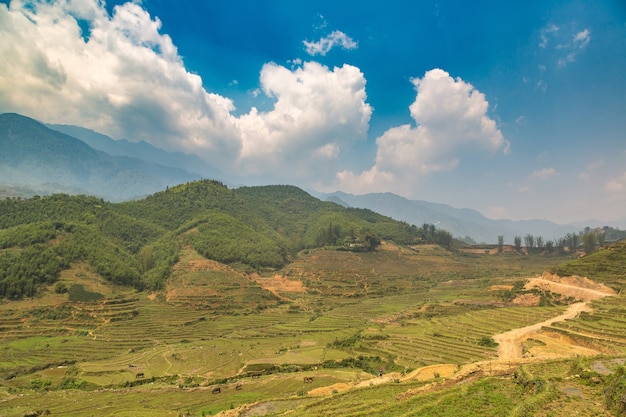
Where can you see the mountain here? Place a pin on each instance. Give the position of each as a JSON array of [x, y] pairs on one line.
[[460, 222], [136, 243], [33, 155], [140, 150], [42, 160]]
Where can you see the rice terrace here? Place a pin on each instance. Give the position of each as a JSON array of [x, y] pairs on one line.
[[264, 301]]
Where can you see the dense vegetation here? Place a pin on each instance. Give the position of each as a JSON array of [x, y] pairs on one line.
[[136, 243]]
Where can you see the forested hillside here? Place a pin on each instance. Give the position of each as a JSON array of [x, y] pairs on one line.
[[137, 243]]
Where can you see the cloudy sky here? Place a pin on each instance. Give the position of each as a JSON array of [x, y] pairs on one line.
[[516, 111]]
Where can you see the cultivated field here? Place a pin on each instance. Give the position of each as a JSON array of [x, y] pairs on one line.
[[311, 339]]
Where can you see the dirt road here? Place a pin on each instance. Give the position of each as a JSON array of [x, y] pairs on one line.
[[510, 343], [580, 288]]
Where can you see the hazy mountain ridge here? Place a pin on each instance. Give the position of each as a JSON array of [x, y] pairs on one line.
[[460, 222], [33, 155], [140, 150]]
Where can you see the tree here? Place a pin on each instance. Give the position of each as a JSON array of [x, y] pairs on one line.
[[529, 241], [444, 238], [589, 242], [517, 241], [500, 243], [561, 245], [573, 242]]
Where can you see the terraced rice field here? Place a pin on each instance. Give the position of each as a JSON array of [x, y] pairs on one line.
[[163, 354]]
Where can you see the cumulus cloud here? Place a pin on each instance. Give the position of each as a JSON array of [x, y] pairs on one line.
[[451, 118], [325, 44], [318, 112], [71, 62], [122, 77]]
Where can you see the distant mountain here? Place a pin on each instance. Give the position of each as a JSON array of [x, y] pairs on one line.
[[460, 222], [33, 155], [141, 150], [35, 159]]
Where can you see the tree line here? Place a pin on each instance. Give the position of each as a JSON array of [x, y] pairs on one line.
[[588, 240]]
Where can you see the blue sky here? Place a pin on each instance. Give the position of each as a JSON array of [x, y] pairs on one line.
[[518, 111]]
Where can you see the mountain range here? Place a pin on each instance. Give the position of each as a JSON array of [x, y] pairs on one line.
[[47, 160], [466, 224], [69, 159]]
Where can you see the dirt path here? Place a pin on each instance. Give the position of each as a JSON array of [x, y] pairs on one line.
[[510, 343], [579, 288]]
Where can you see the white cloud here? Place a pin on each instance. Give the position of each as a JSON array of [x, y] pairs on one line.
[[582, 38], [124, 79], [590, 169], [565, 42], [318, 112], [324, 45], [546, 34], [451, 117], [543, 174], [617, 185]]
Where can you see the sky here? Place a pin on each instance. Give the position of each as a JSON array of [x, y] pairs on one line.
[[515, 109]]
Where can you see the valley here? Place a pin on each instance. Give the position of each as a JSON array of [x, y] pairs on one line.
[[312, 337]]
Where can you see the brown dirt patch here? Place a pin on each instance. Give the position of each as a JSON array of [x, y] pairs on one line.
[[321, 391], [431, 372], [197, 265], [527, 300], [500, 288], [579, 288], [557, 345], [278, 284], [181, 288]]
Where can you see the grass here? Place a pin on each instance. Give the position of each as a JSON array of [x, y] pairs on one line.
[[397, 308]]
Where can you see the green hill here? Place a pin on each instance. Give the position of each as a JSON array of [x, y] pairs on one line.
[[607, 266], [136, 243]]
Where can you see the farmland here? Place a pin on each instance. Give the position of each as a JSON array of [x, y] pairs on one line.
[[424, 315]]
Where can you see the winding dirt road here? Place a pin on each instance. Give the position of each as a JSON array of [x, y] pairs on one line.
[[510, 343], [580, 288]]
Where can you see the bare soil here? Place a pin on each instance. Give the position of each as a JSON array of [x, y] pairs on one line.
[[278, 284], [578, 288]]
